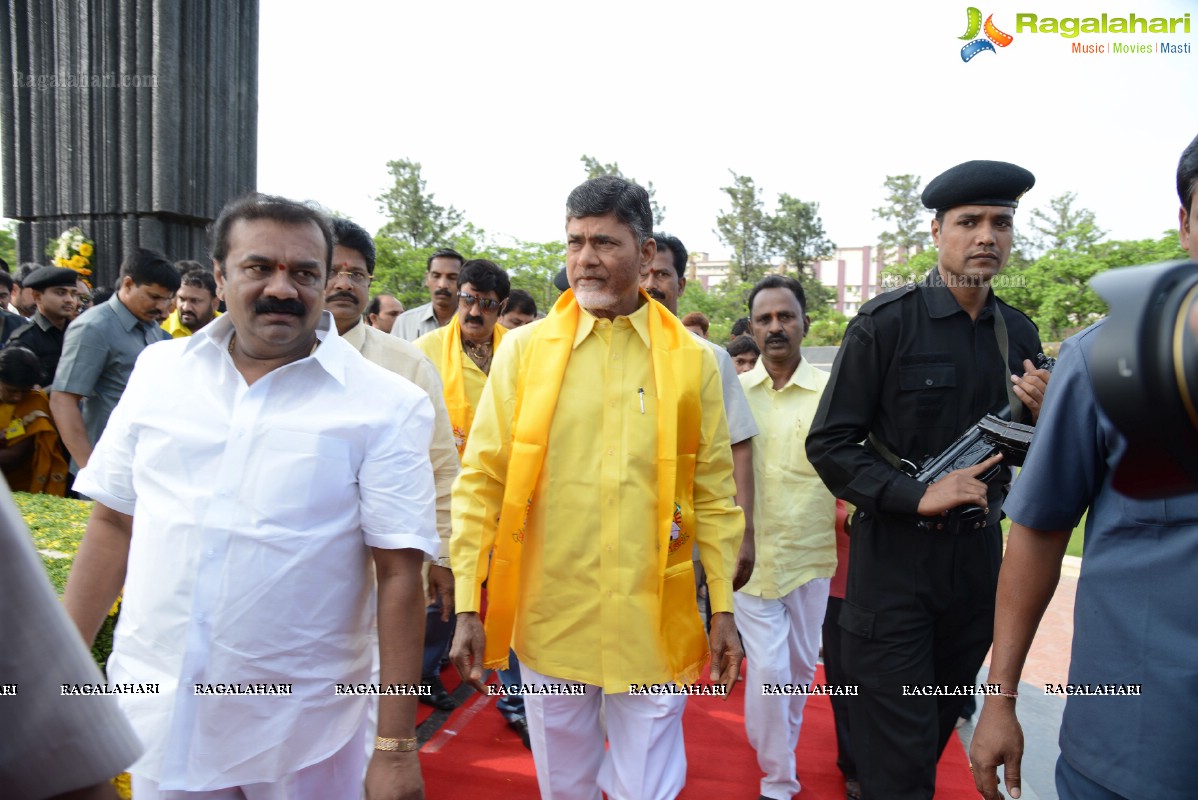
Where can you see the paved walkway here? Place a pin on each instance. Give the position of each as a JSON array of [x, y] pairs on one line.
[[1040, 714]]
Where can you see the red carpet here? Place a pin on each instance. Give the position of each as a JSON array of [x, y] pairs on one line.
[[475, 755]]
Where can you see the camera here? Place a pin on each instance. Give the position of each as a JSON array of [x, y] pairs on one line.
[[1144, 369]]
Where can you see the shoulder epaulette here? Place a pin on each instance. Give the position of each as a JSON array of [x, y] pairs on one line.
[[19, 331], [876, 302]]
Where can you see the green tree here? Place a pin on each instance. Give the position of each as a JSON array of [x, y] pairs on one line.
[[904, 210], [911, 270], [400, 267], [596, 169], [8, 243], [1062, 227], [827, 331], [531, 267], [722, 304], [796, 233], [745, 228], [413, 215], [1054, 289]]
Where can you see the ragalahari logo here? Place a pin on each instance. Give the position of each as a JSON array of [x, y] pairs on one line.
[[979, 45]]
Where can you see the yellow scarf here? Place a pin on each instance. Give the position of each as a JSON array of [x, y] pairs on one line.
[[461, 413], [677, 364]]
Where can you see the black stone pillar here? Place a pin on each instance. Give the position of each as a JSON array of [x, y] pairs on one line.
[[132, 119]]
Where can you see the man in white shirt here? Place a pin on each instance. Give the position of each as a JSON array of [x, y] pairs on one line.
[[246, 593]]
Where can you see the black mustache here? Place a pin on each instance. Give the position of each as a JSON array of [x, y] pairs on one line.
[[342, 296], [443, 293], [274, 305], [656, 294], [473, 320], [777, 337]]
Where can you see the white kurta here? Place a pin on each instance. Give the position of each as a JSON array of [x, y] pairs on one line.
[[254, 508]]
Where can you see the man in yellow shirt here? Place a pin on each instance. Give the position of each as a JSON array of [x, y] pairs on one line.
[[463, 349], [780, 610], [599, 454], [195, 303]]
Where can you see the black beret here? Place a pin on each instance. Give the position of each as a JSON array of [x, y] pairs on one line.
[[561, 281], [43, 278], [978, 183]]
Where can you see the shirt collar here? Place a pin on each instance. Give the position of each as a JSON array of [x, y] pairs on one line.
[[123, 314], [639, 320], [42, 321], [940, 301], [330, 355], [803, 376]]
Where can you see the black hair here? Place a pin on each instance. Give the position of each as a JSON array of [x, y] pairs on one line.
[[1187, 175], [608, 194], [23, 271], [186, 265], [149, 266], [672, 243], [198, 279], [352, 235], [444, 252], [102, 294], [20, 368], [485, 276], [779, 282], [740, 327], [254, 206], [521, 302], [374, 306], [6, 280], [743, 344]]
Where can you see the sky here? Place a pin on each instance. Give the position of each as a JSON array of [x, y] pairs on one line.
[[498, 101]]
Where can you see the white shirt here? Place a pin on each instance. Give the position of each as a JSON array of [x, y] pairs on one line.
[[254, 508]]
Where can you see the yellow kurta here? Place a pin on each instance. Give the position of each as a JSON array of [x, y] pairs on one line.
[[588, 606], [794, 514]]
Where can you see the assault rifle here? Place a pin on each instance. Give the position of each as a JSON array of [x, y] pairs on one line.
[[990, 435]]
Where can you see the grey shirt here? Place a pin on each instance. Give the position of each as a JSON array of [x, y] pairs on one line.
[[98, 354], [415, 322], [741, 425]]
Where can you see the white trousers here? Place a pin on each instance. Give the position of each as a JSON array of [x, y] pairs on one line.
[[781, 639], [338, 777], [645, 759]]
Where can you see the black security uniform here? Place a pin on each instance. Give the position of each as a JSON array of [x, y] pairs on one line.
[[45, 340], [914, 372]]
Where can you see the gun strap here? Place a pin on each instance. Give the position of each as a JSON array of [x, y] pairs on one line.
[[1000, 333], [886, 453]]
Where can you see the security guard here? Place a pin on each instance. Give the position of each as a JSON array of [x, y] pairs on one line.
[[918, 367], [54, 291]]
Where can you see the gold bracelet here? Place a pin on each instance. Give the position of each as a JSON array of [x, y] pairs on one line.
[[401, 745]]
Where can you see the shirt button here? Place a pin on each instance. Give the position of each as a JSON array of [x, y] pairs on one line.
[[199, 617], [611, 451], [609, 548], [928, 382], [223, 493], [609, 594], [211, 553]]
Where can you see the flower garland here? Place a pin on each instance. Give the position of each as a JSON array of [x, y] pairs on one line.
[[73, 250]]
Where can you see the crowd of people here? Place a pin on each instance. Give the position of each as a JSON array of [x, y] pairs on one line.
[[318, 490]]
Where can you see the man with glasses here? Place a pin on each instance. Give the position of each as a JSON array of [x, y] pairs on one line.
[[462, 352]]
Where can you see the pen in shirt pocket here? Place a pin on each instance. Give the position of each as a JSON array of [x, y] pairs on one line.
[[641, 392]]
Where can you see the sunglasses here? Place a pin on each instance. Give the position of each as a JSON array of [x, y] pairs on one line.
[[485, 303]]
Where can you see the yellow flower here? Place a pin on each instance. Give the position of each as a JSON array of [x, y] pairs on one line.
[[60, 262], [85, 249], [76, 262], [83, 262]]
